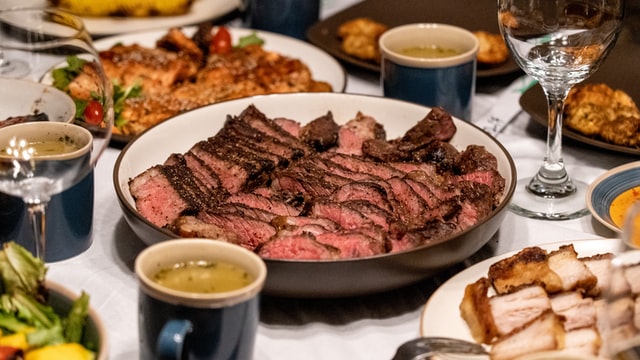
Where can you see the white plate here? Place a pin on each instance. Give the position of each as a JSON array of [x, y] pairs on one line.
[[441, 315], [22, 97], [323, 66], [200, 11]]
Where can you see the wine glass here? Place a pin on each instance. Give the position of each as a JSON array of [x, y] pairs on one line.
[[559, 43], [41, 159]]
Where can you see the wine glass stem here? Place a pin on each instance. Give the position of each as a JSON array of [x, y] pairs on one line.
[[37, 217], [552, 180]]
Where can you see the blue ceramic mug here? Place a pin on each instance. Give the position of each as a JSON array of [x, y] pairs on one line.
[[69, 221], [175, 324], [447, 80], [288, 17]]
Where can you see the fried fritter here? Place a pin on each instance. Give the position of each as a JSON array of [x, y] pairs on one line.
[[493, 50], [360, 38], [597, 110]]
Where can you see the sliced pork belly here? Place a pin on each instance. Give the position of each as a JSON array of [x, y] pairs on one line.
[[578, 311], [544, 333], [527, 267], [599, 265], [632, 274], [584, 341], [573, 272], [516, 309]]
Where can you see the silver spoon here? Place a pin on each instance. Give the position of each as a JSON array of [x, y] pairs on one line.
[[439, 348]]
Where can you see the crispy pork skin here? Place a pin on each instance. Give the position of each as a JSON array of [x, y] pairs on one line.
[[574, 273], [475, 309], [527, 267], [583, 341], [600, 266], [544, 333]]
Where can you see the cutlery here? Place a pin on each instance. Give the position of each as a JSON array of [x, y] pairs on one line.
[[439, 348]]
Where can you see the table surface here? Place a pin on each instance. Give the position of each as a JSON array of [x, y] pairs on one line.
[[369, 327]]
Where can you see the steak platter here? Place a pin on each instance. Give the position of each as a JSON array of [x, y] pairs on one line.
[[322, 191]]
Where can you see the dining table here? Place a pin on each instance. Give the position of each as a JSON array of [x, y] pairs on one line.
[[370, 326]]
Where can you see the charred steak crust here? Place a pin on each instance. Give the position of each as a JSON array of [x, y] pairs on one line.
[[322, 191]]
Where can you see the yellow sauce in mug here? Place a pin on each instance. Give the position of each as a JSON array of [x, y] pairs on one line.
[[621, 204], [429, 52], [203, 277]]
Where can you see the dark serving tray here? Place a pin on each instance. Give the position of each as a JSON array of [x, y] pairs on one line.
[[469, 14]]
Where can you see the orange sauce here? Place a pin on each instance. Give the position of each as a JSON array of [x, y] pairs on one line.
[[621, 204]]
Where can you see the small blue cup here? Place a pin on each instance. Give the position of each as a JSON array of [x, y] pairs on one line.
[[448, 82], [68, 224], [288, 17], [175, 324]]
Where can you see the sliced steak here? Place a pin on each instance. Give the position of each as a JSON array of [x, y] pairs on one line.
[[437, 125], [292, 222], [371, 192], [301, 247], [244, 230], [320, 134], [353, 244], [362, 165], [356, 131], [271, 205]]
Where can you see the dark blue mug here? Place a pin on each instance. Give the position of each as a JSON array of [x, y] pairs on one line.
[[448, 81], [288, 17], [174, 324], [69, 221]]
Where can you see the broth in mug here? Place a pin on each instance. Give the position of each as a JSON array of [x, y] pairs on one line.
[[429, 52], [203, 277]]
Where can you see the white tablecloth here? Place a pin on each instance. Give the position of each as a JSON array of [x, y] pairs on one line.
[[370, 327]]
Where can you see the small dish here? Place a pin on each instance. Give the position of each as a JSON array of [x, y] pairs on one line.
[[22, 97], [607, 187]]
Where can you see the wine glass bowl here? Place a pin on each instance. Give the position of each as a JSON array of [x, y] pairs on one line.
[[61, 58], [559, 43]]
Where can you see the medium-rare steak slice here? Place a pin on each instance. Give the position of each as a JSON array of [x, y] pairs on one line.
[[356, 131], [274, 206], [260, 122], [301, 247], [372, 192], [320, 134], [353, 244], [363, 165]]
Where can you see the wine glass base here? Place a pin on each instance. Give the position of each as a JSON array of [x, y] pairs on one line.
[[529, 205]]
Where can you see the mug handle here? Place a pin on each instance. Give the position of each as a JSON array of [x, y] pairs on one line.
[[171, 339]]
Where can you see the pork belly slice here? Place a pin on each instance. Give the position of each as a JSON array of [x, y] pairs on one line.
[[300, 247], [600, 266], [577, 311], [574, 273], [527, 267], [583, 341], [514, 310], [632, 274], [475, 310], [544, 333]]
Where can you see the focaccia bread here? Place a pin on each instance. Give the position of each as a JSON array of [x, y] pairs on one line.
[[131, 8]]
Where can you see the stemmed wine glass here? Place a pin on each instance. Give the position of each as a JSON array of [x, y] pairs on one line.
[[559, 43], [41, 159]]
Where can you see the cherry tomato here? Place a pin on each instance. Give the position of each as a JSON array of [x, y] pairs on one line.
[[221, 41], [93, 112]]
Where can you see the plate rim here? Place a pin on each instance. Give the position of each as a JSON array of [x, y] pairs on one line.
[[604, 243], [598, 181]]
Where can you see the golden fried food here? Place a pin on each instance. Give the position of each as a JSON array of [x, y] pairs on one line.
[[493, 50], [133, 8], [597, 110], [360, 38]]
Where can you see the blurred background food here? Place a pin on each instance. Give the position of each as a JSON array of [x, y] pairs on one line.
[[130, 8]]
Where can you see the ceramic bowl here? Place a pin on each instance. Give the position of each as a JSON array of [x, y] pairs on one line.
[[22, 97], [316, 279], [61, 299], [607, 187]]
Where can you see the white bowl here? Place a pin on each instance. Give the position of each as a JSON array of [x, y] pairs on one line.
[[318, 278], [22, 97]]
